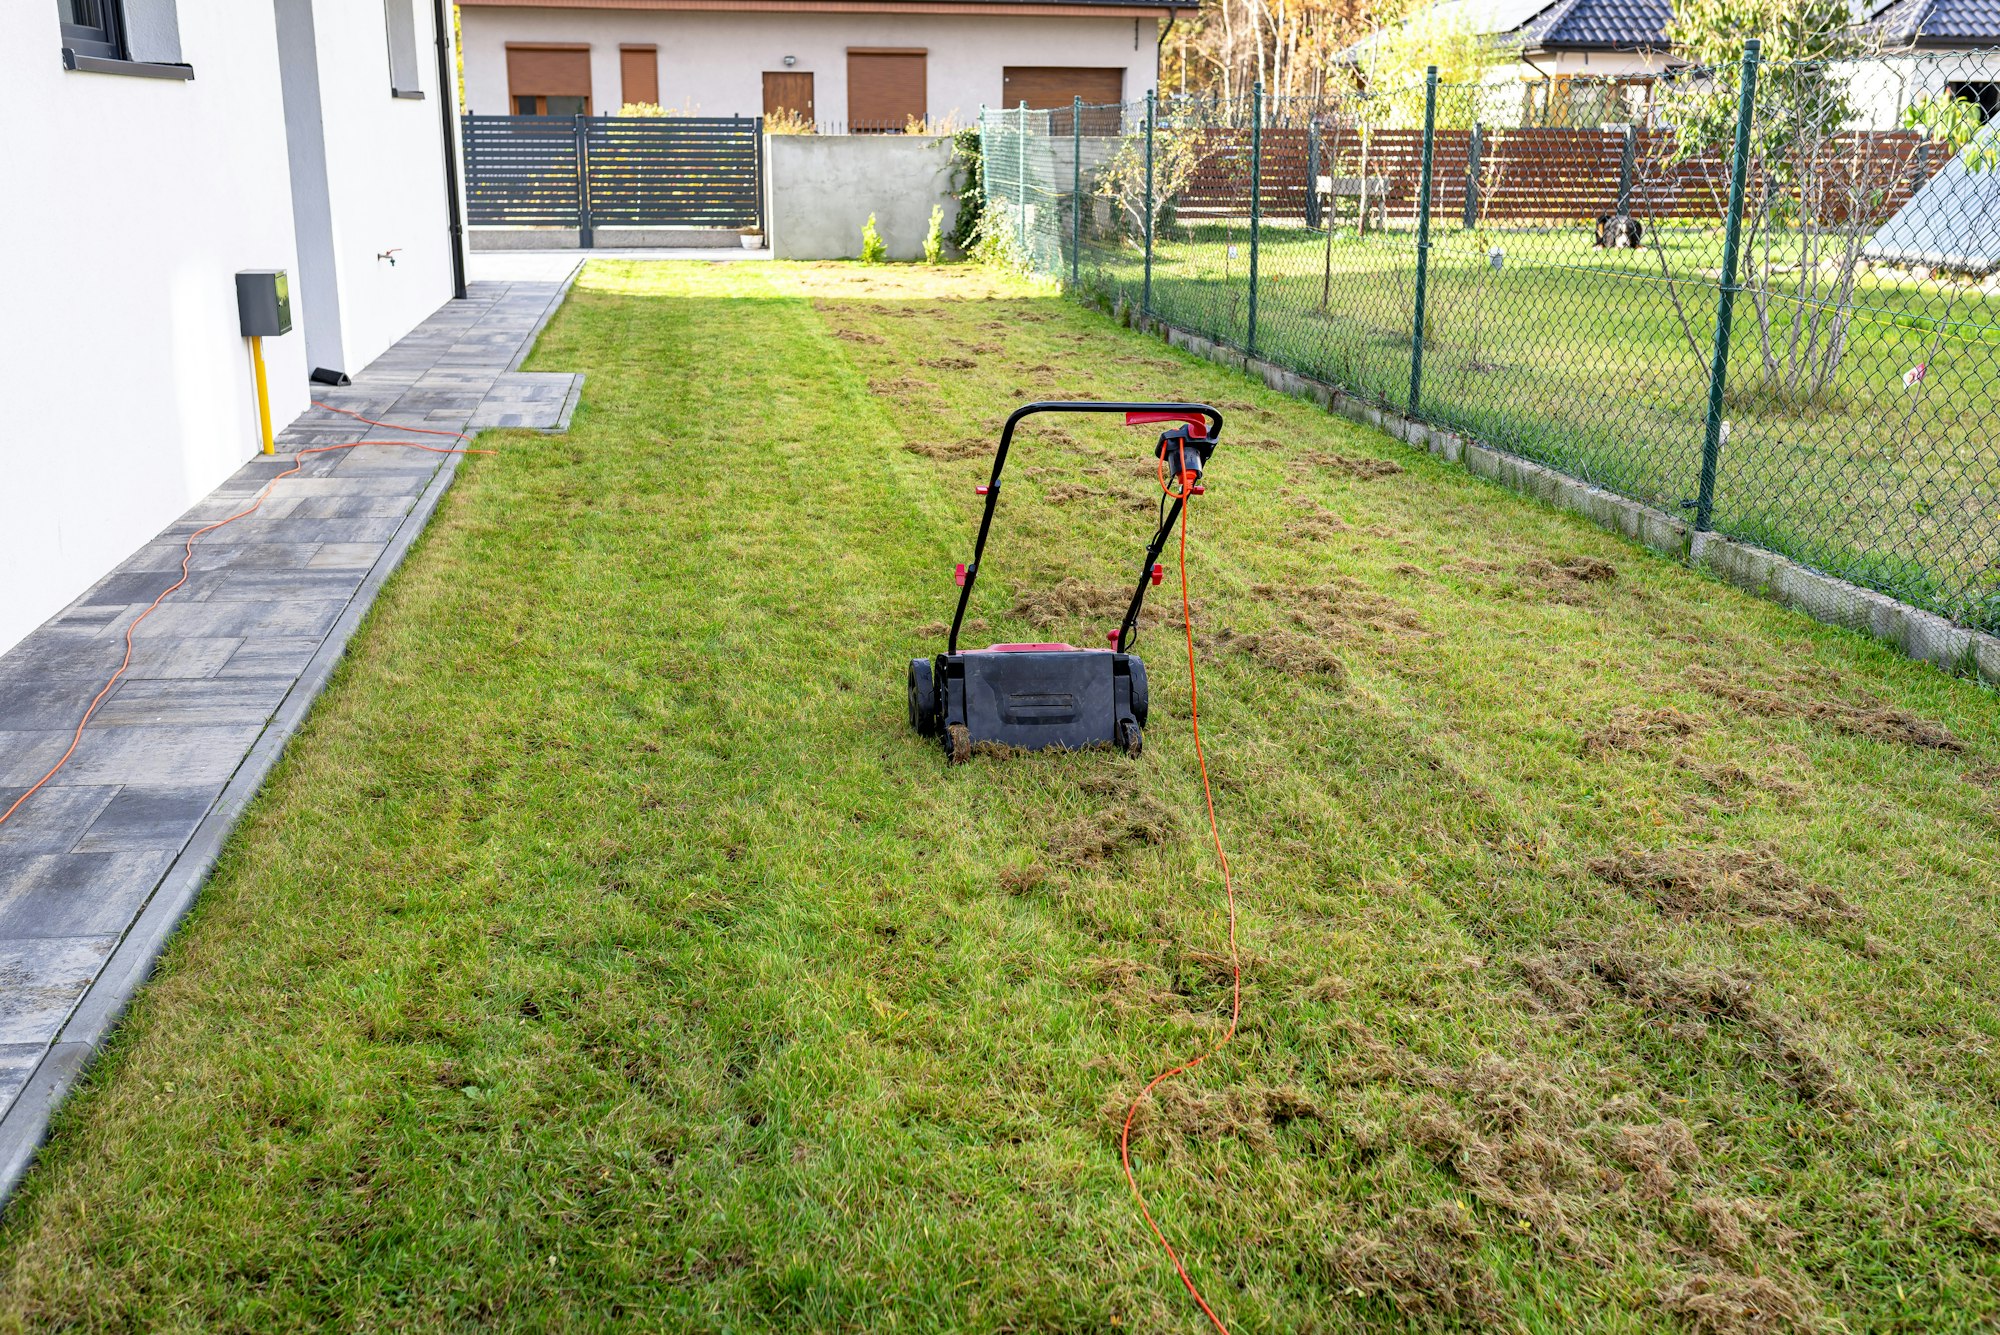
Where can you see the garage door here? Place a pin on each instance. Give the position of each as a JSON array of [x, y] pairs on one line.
[[1045, 87], [885, 89]]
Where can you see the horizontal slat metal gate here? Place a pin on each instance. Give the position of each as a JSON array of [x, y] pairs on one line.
[[614, 171]]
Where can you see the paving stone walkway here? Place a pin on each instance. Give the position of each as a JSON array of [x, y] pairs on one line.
[[98, 867]]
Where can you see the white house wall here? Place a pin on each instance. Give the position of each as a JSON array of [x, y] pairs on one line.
[[1880, 91], [385, 173], [132, 203], [713, 63]]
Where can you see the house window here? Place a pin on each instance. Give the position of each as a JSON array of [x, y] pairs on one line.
[[885, 89], [401, 20], [90, 28], [549, 80], [1985, 94], [122, 37], [639, 73]]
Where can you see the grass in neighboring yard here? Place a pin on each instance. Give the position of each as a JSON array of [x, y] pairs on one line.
[[1575, 356], [607, 952]]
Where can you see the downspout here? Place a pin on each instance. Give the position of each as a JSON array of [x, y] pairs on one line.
[[448, 118], [1547, 83], [1161, 45]]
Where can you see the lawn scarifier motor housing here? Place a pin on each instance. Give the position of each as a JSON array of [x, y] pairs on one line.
[[1035, 696]]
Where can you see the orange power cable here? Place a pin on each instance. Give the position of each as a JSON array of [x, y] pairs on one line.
[[1229, 890], [187, 555]]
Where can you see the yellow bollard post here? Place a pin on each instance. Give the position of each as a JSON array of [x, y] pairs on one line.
[[263, 394]]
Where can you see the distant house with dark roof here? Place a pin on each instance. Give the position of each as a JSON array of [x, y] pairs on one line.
[[1594, 60], [1955, 36], [868, 65]]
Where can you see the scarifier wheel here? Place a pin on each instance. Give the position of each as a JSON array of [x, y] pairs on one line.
[[1131, 738], [923, 698], [1139, 701], [958, 744]]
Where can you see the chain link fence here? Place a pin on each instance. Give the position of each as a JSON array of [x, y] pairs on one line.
[[1766, 298]]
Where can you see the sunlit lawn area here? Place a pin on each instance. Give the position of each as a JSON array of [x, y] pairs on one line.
[[1579, 357], [608, 953]]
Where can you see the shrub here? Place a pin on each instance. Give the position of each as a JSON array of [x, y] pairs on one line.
[[934, 239], [969, 185], [873, 251]]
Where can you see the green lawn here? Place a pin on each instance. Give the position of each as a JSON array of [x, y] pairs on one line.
[[607, 953], [1576, 357]]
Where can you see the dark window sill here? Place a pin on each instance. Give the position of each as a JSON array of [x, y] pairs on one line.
[[415, 94], [142, 69]]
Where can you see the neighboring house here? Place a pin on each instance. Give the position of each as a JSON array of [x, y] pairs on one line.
[[1590, 60], [1949, 47], [861, 65], [170, 146]]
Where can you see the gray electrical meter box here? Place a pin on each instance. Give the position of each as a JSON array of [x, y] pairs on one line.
[[264, 302]]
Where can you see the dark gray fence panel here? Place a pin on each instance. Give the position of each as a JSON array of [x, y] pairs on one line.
[[521, 171], [636, 171], [674, 172]]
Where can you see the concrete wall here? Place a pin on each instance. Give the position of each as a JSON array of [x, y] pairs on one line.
[[129, 391], [713, 63], [819, 190]]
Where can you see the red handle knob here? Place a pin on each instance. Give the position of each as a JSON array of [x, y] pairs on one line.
[[1159, 574], [958, 574]]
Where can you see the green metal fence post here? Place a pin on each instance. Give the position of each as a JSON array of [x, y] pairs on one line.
[[1473, 148], [1423, 236], [1075, 187], [1021, 175], [1725, 298], [1146, 293], [1256, 200]]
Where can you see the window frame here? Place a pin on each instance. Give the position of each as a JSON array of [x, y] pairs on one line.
[[101, 41], [399, 25]]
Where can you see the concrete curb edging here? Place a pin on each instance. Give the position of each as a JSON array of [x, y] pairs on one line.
[[1924, 636]]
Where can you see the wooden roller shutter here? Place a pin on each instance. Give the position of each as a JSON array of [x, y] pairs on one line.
[[549, 71], [885, 88], [1044, 87], [639, 73]]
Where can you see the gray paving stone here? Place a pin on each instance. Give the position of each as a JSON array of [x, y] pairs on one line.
[[157, 757], [57, 819], [40, 981], [17, 1062], [218, 619], [74, 894], [274, 657], [348, 555], [209, 700], [366, 505], [139, 819]]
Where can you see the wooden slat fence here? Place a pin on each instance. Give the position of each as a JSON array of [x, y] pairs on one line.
[[1546, 176]]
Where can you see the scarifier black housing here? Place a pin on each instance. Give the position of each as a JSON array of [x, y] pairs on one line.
[[1036, 696]]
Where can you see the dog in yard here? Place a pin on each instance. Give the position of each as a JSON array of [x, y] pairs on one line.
[[1618, 231]]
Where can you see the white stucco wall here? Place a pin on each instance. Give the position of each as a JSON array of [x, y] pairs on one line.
[[713, 63], [1880, 91], [385, 174], [132, 203]]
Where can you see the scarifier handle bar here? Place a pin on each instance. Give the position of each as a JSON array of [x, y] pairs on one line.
[[1195, 415]]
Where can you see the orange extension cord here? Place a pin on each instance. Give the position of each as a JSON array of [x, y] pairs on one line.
[[187, 555], [1185, 496]]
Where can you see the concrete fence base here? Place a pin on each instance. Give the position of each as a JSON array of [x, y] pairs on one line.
[[602, 238], [1922, 635]]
